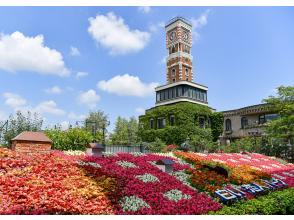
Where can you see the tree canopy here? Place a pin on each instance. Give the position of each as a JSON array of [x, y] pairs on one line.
[[125, 132], [283, 104], [21, 122]]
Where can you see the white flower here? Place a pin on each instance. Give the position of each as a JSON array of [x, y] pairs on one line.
[[132, 203], [109, 154], [176, 195], [74, 152], [82, 163], [126, 164], [147, 177]]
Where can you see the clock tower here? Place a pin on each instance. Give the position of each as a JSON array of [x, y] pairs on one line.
[[179, 71], [178, 44]]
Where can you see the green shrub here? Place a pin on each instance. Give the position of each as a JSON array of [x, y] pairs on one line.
[[72, 139], [157, 146], [275, 203]]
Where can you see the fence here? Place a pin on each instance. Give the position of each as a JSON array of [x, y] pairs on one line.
[[126, 149]]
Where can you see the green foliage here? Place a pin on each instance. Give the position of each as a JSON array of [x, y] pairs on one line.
[[72, 139], [186, 123], [217, 122], [21, 122], [249, 144], [283, 103], [201, 140], [275, 203], [125, 132], [95, 122], [157, 146]]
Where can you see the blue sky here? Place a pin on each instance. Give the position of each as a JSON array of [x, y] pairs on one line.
[[58, 61]]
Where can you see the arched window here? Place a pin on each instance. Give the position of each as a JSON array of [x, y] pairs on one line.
[[173, 72], [151, 123], [187, 71], [228, 125], [173, 49], [244, 122]]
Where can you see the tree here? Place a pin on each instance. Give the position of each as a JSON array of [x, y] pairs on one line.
[[125, 132], [283, 104], [72, 139], [281, 130], [96, 122], [22, 122]]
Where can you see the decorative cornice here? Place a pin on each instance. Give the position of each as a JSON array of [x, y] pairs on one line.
[[253, 109], [192, 84], [171, 101]]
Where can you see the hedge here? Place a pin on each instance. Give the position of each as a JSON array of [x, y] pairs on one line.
[[274, 203]]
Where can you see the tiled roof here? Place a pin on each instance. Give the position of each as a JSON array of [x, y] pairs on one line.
[[32, 136], [165, 162], [95, 145]]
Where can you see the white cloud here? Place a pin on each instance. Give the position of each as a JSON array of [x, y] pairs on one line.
[[81, 74], [17, 103], [54, 90], [127, 85], [140, 110], [199, 22], [112, 33], [75, 116], [89, 98], [21, 53], [14, 100], [74, 51], [49, 107], [144, 9]]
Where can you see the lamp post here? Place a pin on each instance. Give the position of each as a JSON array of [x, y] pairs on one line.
[[104, 131]]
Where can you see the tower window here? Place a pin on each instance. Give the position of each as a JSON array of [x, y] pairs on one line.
[[160, 123], [172, 120], [201, 122], [173, 72], [173, 49], [174, 80], [151, 123]]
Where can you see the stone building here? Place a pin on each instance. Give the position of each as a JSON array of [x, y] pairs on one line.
[[31, 142], [249, 121]]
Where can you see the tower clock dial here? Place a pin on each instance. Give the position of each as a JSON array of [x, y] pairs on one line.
[[172, 36], [186, 36]]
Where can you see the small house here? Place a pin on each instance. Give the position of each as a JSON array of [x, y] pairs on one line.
[[95, 149], [166, 165], [31, 142]]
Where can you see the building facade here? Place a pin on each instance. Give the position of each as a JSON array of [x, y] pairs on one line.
[[249, 121], [30, 142]]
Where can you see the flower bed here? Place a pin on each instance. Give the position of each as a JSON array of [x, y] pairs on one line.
[[122, 183], [115, 184], [145, 189], [50, 184]]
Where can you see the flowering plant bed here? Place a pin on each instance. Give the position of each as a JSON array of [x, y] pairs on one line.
[[123, 183]]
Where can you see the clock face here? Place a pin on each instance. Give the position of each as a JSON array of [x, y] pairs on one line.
[[172, 36], [186, 36]]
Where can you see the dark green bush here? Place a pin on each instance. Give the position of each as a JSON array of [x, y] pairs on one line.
[[274, 203]]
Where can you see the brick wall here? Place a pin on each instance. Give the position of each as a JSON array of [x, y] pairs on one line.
[[30, 147]]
